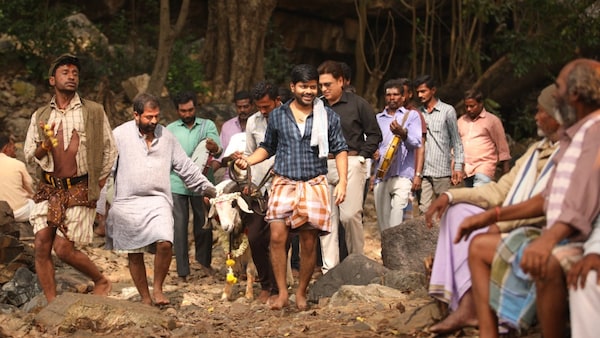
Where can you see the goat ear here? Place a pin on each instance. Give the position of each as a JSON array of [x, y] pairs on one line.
[[243, 205], [211, 211]]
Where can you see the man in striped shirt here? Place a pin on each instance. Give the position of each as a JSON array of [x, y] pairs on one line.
[[444, 152]]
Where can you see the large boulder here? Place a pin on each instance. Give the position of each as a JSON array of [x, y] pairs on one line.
[[70, 312], [356, 269], [407, 246]]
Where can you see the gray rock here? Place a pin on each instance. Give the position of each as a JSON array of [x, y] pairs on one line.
[[372, 293], [356, 269], [22, 288], [70, 312], [405, 281], [406, 246]]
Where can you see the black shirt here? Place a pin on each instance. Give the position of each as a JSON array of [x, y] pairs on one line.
[[359, 125]]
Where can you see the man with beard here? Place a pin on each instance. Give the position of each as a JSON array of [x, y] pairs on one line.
[[71, 141], [392, 190], [300, 134], [190, 131], [141, 215], [450, 280], [516, 275]]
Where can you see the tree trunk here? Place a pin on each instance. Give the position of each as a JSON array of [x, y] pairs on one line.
[[233, 54], [166, 39]]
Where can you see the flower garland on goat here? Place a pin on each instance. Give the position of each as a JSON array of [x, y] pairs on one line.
[[230, 262]]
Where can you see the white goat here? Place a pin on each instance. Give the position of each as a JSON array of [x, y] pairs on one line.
[[227, 206]]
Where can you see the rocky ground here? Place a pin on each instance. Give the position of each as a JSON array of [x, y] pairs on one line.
[[197, 310]]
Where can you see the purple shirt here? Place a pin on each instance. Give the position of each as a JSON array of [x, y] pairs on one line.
[[229, 128], [403, 164]]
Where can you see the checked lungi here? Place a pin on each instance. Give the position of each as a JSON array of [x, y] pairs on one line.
[[300, 202]]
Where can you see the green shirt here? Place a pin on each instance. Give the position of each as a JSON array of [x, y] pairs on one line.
[[189, 139]]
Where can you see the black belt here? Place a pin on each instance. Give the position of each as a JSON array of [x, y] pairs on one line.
[[64, 183]]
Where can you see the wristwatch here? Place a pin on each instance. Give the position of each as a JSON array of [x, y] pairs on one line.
[[419, 175]]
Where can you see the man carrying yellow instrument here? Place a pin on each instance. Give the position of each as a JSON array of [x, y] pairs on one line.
[[401, 131]]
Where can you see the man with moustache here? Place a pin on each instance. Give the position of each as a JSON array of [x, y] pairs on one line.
[[450, 280], [444, 151], [526, 269], [266, 99], [70, 139], [190, 131], [393, 189], [141, 215], [362, 134], [300, 134]]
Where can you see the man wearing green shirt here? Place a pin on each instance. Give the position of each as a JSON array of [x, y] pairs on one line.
[[190, 131]]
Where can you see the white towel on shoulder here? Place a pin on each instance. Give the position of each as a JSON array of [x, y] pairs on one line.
[[320, 128]]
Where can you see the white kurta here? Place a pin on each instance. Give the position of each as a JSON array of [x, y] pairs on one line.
[[141, 213]]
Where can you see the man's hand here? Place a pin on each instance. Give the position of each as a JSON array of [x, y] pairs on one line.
[[416, 186], [339, 193], [241, 163], [473, 223], [398, 130], [457, 177], [535, 257], [212, 146], [580, 270], [437, 207]]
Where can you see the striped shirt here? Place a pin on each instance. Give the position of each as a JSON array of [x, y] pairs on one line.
[[296, 159], [572, 196], [71, 118], [443, 141]]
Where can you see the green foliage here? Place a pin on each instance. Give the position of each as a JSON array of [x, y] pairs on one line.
[[538, 32], [185, 71], [277, 61], [40, 30]]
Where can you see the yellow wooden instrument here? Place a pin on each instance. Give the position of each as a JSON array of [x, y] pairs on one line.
[[389, 156], [391, 151]]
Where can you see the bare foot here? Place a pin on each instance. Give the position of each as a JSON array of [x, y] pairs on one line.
[[453, 322], [263, 296], [102, 287], [279, 303], [160, 298], [301, 303], [147, 301]]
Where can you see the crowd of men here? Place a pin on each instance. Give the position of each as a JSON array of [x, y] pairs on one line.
[[511, 252]]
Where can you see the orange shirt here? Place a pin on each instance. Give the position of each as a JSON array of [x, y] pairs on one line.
[[484, 143]]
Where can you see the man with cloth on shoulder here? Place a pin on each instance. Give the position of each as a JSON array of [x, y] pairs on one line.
[[450, 280]]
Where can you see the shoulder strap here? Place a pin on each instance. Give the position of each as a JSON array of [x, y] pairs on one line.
[[405, 117]]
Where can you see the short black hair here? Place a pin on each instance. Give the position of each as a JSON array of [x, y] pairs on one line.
[[143, 99], [185, 97], [265, 88], [394, 83], [4, 139], [304, 73], [425, 79], [474, 94], [331, 67], [242, 95]]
